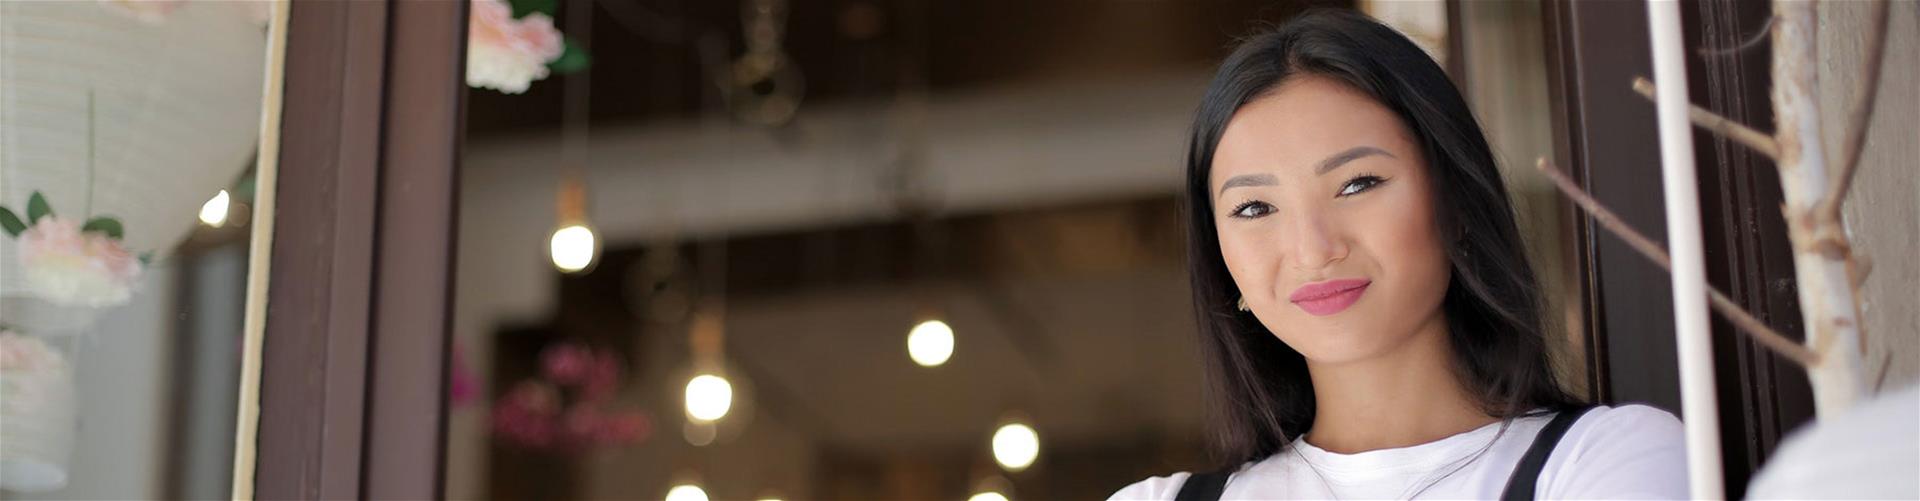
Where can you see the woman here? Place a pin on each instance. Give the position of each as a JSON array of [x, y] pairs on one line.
[[1372, 326]]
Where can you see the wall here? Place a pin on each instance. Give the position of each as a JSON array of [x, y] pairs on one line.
[[1883, 209]]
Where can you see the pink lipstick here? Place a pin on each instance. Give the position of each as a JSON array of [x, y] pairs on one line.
[[1329, 297]]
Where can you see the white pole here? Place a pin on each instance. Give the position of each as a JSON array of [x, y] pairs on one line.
[[1697, 401]]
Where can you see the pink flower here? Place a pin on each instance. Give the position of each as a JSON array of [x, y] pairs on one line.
[[561, 410], [147, 11], [566, 364], [70, 267], [601, 379], [625, 428], [461, 383], [27, 354], [582, 422], [32, 375], [535, 397], [506, 54], [526, 414]]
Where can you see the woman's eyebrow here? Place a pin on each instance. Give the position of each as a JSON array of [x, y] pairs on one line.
[[1329, 164], [1341, 158], [1247, 180]]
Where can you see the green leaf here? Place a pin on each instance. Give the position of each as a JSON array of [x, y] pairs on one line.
[[146, 258], [571, 59], [11, 222], [243, 190], [37, 208], [523, 7], [105, 224]]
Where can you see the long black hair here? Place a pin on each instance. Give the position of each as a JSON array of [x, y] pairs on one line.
[[1258, 387]]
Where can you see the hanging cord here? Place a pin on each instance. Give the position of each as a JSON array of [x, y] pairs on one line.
[[87, 208], [576, 118], [579, 88]]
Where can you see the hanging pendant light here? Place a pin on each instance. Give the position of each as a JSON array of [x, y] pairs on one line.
[[718, 400], [573, 246], [1015, 445], [930, 343]]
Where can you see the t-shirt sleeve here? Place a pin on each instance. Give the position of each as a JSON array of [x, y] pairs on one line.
[[1155, 488], [1627, 452]]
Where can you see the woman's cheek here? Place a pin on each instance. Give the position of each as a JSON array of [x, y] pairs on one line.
[[1418, 255], [1246, 259]]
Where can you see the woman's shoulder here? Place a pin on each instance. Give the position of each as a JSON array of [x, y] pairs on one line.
[[1629, 451], [1628, 426], [1152, 488], [1168, 487], [1641, 418], [1163, 487]]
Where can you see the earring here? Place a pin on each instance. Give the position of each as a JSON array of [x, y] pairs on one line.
[[1243, 304]]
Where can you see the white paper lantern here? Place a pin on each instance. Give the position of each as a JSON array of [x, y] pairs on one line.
[[36, 414], [175, 117]]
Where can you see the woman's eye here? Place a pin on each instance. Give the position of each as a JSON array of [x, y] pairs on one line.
[[1252, 210], [1359, 184]]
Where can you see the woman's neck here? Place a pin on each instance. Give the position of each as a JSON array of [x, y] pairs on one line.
[[1408, 396]]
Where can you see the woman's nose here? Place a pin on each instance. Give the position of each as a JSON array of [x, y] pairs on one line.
[[1314, 242]]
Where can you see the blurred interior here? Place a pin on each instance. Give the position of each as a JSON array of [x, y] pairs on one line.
[[999, 176], [771, 249], [1007, 168]]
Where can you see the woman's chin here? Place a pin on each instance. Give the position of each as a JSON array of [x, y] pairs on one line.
[[1351, 336]]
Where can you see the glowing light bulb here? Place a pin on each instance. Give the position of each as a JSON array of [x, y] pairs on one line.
[[930, 343], [708, 397], [214, 212], [686, 492], [572, 248], [1015, 446], [988, 496]]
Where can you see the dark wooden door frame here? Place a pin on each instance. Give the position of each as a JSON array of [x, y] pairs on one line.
[[1605, 136], [352, 399]]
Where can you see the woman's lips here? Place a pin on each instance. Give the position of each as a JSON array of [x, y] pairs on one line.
[[1329, 297]]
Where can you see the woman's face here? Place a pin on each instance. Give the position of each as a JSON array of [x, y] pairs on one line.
[[1324, 209]]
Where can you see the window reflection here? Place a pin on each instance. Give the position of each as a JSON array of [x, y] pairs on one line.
[[127, 138]]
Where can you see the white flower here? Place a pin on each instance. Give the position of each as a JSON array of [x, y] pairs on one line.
[[27, 354], [505, 54], [67, 266], [22, 358]]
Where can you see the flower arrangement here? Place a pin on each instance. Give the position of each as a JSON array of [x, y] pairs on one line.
[[508, 54], [72, 263], [36, 414], [564, 409], [27, 355]]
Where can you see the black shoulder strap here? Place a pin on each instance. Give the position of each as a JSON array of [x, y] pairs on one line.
[[1521, 485], [1203, 486]]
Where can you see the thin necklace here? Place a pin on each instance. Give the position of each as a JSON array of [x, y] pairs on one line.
[[1427, 479]]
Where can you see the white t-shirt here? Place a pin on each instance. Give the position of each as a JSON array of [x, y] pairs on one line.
[[1632, 451]]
